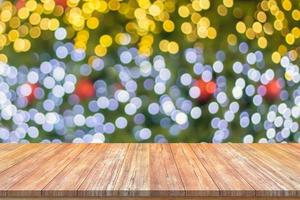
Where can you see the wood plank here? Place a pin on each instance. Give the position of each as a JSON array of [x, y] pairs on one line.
[[162, 171], [296, 145], [288, 163], [225, 176], [155, 198], [263, 180], [165, 179], [195, 178], [68, 181], [8, 147], [285, 151], [275, 168], [10, 158], [103, 177], [292, 148], [134, 179], [32, 184], [15, 173]]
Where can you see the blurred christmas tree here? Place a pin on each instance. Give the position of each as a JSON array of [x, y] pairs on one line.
[[149, 71]]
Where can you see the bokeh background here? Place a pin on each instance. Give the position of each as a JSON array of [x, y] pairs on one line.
[[149, 71]]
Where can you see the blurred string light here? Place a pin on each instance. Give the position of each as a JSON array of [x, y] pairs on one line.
[[53, 81], [22, 22], [151, 88]]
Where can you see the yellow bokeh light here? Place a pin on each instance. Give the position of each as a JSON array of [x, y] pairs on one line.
[[140, 13], [92, 23], [35, 32], [205, 4], [102, 6], [257, 27], [296, 32], [228, 3], [34, 18], [163, 45], [5, 15], [53, 24], [23, 30], [2, 27], [3, 58], [222, 10], [154, 10], [296, 15], [276, 57], [240, 27], [290, 39], [183, 11], [288, 76], [13, 35], [146, 19], [211, 33], [105, 40], [261, 17], [100, 50], [44, 24], [173, 47], [278, 25], [168, 26], [23, 13], [231, 39], [262, 42], [196, 5], [287, 5], [282, 49], [14, 22], [186, 28], [123, 38], [19, 45], [250, 34], [31, 5], [114, 4]]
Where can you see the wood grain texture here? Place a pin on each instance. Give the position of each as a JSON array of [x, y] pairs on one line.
[[154, 198], [275, 166], [150, 171], [134, 179], [68, 181], [291, 148], [165, 179], [10, 158], [33, 183], [195, 178], [224, 175], [8, 147], [16, 172], [102, 179], [260, 178]]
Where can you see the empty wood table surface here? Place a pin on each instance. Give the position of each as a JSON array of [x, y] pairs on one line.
[[150, 171]]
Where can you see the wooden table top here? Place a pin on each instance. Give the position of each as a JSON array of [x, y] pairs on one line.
[[101, 170]]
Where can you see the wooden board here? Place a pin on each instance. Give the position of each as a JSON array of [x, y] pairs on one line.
[[33, 183], [262, 179], [222, 172], [68, 181], [195, 178], [276, 167], [152, 198], [165, 179], [150, 171], [103, 177], [133, 178], [17, 172]]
